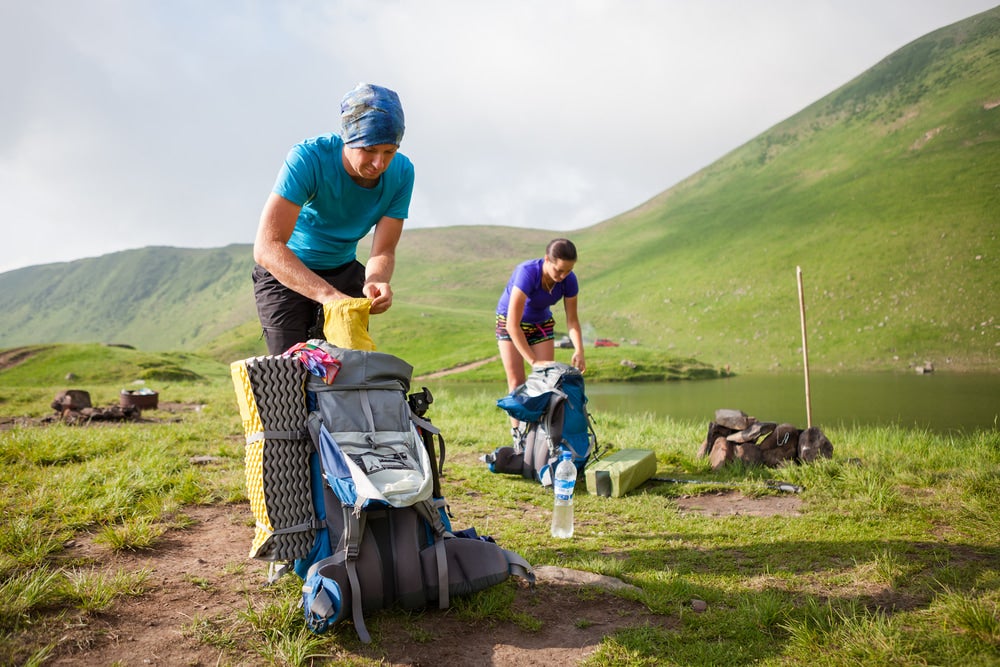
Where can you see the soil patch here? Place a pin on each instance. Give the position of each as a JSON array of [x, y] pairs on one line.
[[203, 572], [734, 503], [171, 410]]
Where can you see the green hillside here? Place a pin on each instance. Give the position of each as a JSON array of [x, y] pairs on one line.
[[154, 298], [886, 193]]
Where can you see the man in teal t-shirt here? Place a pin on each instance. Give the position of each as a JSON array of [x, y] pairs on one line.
[[330, 192]]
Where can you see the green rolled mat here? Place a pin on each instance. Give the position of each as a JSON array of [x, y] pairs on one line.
[[619, 473]]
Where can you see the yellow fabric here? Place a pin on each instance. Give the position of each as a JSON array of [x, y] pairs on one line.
[[254, 454], [345, 324]]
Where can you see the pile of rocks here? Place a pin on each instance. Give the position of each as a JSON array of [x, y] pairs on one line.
[[736, 435], [73, 406]]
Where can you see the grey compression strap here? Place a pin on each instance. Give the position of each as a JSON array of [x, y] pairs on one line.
[[353, 528]]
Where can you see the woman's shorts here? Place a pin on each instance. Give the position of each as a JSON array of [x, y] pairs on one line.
[[535, 332]]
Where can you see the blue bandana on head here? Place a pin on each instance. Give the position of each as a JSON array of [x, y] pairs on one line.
[[371, 115]]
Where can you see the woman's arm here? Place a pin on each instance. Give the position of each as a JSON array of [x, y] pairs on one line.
[[515, 311], [575, 335]]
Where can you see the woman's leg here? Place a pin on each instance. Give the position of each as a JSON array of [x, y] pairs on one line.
[[545, 350], [513, 367], [513, 364]]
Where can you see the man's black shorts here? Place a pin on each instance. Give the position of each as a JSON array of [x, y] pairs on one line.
[[286, 316]]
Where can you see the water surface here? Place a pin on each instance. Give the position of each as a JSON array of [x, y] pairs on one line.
[[938, 401]]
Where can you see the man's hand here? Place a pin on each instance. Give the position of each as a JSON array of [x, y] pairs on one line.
[[381, 296]]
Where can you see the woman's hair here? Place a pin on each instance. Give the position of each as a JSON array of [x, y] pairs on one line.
[[561, 249]]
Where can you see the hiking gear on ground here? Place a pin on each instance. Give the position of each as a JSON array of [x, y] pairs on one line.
[[552, 408], [368, 472], [615, 475], [271, 395], [563, 486]]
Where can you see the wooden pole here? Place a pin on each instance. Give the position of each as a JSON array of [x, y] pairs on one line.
[[805, 346]]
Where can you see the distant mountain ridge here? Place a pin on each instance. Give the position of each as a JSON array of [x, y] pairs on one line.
[[153, 298], [886, 192]]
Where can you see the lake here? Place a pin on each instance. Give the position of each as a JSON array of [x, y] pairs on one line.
[[938, 401]]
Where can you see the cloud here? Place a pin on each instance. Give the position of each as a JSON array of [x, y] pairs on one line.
[[147, 122]]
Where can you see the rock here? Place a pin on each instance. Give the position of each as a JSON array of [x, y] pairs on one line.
[[628, 363], [780, 435], [92, 414], [72, 416], [722, 453], [769, 442], [698, 606], [737, 420], [752, 432], [812, 444], [748, 452], [715, 431], [565, 575], [703, 449], [71, 399], [781, 453]]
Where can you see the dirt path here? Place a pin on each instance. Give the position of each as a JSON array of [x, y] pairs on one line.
[[15, 355], [456, 369], [201, 575]]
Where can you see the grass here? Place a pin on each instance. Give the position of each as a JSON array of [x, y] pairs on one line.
[[895, 558]]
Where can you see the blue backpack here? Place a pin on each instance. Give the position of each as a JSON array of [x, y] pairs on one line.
[[552, 408]]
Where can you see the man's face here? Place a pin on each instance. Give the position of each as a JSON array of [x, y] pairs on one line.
[[370, 161]]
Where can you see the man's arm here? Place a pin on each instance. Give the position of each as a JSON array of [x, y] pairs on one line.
[[381, 263], [270, 250]]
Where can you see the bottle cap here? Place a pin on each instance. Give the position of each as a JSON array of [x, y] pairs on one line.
[[567, 456]]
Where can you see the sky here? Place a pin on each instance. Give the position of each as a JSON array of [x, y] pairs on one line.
[[133, 123]]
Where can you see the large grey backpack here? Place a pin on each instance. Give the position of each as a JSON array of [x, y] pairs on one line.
[[388, 533]]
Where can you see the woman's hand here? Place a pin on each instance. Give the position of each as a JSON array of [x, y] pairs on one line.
[[578, 361]]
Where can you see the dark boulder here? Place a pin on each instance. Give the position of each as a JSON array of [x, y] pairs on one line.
[[813, 444], [71, 399]]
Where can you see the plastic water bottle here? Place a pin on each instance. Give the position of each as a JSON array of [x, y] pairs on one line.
[[562, 484]]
